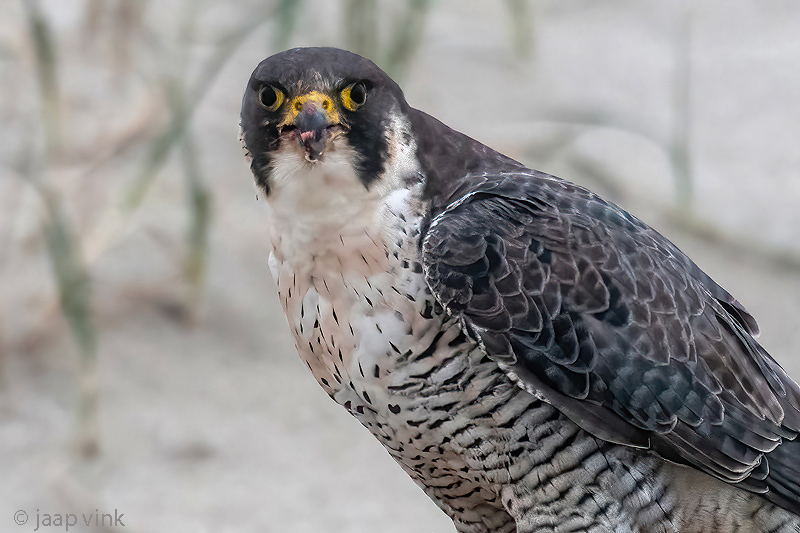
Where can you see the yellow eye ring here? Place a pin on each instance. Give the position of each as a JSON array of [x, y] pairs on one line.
[[354, 96], [270, 97]]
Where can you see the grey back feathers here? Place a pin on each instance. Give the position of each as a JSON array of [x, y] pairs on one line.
[[536, 358]]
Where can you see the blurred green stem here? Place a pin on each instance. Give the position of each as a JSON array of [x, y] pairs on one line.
[[72, 277], [680, 144], [286, 13], [521, 26], [46, 62], [199, 202], [198, 196], [175, 129], [75, 297], [200, 213], [361, 26], [408, 34]]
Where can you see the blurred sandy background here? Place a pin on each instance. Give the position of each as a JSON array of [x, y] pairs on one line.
[[144, 363]]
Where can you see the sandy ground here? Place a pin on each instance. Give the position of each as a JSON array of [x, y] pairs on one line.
[[218, 427]]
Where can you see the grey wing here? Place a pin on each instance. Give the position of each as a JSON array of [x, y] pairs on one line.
[[603, 317]]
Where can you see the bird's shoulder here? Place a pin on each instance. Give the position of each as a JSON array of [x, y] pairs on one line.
[[589, 307]]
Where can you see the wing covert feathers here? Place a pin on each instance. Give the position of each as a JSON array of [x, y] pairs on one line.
[[603, 317]]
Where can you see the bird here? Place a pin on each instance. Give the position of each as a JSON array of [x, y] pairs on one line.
[[533, 356]]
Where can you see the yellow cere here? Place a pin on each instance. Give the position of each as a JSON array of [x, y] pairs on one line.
[[322, 100]]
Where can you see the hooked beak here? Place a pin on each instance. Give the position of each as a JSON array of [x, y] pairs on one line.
[[312, 118], [312, 124]]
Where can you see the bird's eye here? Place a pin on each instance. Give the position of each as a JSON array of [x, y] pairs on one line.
[[354, 96], [270, 97]]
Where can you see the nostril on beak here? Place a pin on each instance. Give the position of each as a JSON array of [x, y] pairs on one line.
[[312, 125], [311, 117]]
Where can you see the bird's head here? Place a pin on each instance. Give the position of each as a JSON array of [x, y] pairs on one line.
[[308, 109]]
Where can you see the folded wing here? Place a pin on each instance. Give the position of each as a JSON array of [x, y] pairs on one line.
[[594, 311]]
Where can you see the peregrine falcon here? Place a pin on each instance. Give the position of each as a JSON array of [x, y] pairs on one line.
[[533, 356]]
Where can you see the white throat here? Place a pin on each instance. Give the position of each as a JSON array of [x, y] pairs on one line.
[[311, 204], [316, 207]]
